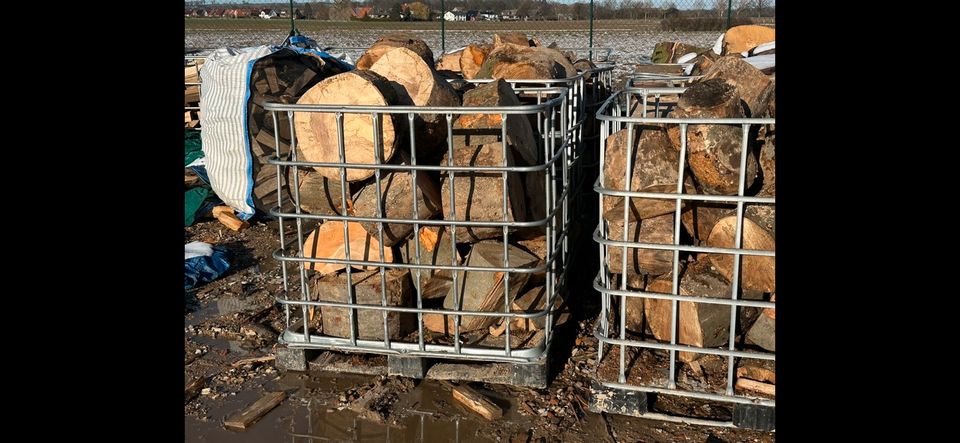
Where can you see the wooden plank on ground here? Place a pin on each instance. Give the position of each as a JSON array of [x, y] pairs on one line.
[[249, 416]]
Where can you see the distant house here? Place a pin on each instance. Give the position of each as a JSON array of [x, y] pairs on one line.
[[268, 14], [298, 14], [564, 17], [379, 14], [472, 15], [361, 13], [216, 13], [236, 13], [450, 16], [511, 15], [198, 13], [489, 16]]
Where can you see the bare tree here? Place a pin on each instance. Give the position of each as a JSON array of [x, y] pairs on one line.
[[721, 7], [700, 5], [761, 5]]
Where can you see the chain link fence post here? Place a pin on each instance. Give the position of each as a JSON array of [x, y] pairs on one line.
[[443, 28]]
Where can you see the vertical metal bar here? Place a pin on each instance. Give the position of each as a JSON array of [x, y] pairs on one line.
[[304, 287], [674, 311], [506, 232], [729, 8], [628, 172], [416, 232], [378, 154], [591, 31], [283, 241], [443, 28], [735, 280], [346, 231], [453, 236], [601, 226]]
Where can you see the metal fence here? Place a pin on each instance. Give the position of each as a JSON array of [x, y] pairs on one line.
[[632, 27], [641, 353]]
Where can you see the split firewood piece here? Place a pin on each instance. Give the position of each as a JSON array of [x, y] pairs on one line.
[[714, 150], [472, 58], [319, 195], [251, 414], [512, 62], [645, 261], [226, 216], [450, 61], [763, 332], [670, 52], [366, 287], [477, 402], [757, 273], [756, 386], [758, 370], [701, 324], [327, 241], [653, 168], [755, 88], [435, 249], [481, 129], [510, 38], [483, 290]]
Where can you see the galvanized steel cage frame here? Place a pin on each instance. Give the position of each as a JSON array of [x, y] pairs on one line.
[[556, 145], [614, 115]]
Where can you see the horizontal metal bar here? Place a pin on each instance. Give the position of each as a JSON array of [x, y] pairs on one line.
[[278, 255], [686, 197], [669, 247], [366, 109], [682, 348], [692, 394], [430, 222], [521, 315], [598, 285], [467, 352], [274, 160]]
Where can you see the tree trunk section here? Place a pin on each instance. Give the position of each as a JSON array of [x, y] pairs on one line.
[[478, 196], [391, 41], [317, 131], [417, 84], [396, 201]]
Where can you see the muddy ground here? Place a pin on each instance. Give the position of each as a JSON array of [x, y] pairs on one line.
[[231, 327]]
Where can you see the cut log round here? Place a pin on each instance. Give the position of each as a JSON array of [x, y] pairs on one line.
[[391, 41], [753, 86], [700, 324], [317, 131], [702, 216], [757, 273], [657, 230], [417, 84], [654, 168], [396, 198], [768, 162], [479, 195], [746, 37], [471, 59], [327, 241], [713, 150]]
